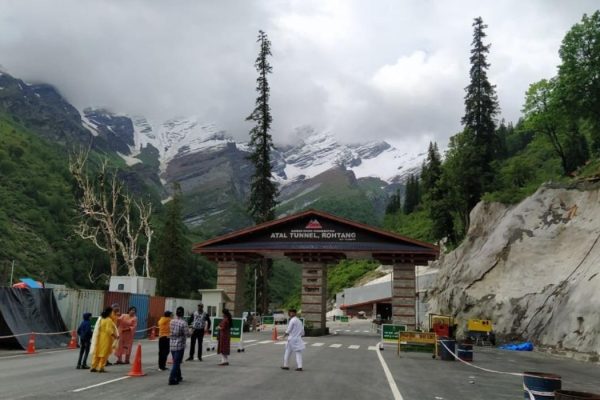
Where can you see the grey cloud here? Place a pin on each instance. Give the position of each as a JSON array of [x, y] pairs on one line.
[[334, 61]]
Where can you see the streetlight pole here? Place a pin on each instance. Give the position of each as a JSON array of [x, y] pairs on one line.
[[12, 270], [255, 278]]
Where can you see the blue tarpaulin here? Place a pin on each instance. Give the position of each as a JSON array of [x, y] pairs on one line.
[[31, 283], [525, 346]]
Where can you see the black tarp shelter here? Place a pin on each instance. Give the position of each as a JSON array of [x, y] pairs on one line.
[[30, 310]]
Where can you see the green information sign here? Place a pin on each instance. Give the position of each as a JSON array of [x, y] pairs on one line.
[[344, 319], [268, 320], [236, 329], [389, 332]]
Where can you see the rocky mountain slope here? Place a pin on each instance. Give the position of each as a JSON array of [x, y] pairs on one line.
[[533, 268], [317, 170]]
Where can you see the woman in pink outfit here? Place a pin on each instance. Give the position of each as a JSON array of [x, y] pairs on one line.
[[127, 326]]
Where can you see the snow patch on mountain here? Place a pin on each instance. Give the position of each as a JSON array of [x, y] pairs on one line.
[[313, 153], [317, 152], [177, 137]]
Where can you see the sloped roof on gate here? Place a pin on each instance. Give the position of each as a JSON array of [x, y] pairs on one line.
[[312, 232]]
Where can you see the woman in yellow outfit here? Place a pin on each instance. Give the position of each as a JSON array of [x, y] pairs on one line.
[[102, 341]]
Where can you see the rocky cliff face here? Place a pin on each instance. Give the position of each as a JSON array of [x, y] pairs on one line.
[[533, 268]]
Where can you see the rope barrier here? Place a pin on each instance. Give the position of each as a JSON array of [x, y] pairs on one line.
[[57, 333], [532, 393], [35, 333]]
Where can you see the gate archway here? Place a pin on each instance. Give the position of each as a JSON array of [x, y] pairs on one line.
[[316, 239]]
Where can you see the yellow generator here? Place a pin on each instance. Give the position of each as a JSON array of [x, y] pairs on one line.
[[479, 325]]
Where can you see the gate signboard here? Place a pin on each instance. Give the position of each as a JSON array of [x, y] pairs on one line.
[[389, 334], [236, 331]]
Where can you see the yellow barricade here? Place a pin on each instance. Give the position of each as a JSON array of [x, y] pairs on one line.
[[418, 338]]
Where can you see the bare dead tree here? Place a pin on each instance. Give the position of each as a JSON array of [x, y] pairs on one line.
[[106, 215]]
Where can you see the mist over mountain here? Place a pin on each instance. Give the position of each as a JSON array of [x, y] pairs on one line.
[[211, 167]]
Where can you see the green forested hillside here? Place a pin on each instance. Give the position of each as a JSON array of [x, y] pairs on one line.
[[557, 139], [37, 212]]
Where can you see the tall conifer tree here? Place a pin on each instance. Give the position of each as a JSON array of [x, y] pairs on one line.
[[263, 191], [172, 250], [481, 107], [436, 196]]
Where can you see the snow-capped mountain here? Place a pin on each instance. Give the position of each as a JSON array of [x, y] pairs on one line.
[[314, 152], [317, 152], [177, 137]]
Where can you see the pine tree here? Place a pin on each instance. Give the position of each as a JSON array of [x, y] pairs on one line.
[[263, 191], [436, 196], [411, 194], [172, 250], [394, 205], [481, 108]]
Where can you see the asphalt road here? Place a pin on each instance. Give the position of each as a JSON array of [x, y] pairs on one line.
[[346, 365]]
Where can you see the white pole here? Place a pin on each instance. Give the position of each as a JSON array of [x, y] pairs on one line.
[[12, 270], [255, 290]]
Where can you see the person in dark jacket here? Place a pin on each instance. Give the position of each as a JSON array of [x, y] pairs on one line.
[[85, 338]]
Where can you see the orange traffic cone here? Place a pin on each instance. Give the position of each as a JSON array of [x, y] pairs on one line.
[[153, 333], [73, 342], [31, 344], [274, 335], [136, 368]]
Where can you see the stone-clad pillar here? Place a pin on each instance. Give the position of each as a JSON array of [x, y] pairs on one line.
[[314, 293], [403, 295], [231, 278]]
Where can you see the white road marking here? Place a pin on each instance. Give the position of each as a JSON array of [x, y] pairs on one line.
[[390, 378], [372, 347], [357, 331], [354, 347], [336, 345], [317, 344], [280, 342], [347, 330], [250, 341], [265, 341], [366, 331], [100, 384]]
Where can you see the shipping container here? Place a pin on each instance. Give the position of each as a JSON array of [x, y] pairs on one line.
[[141, 302], [67, 299], [156, 310], [122, 299], [91, 301]]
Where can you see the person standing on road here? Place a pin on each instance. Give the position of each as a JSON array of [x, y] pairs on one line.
[[295, 344], [164, 337], [85, 340], [114, 316], [103, 339], [179, 333], [224, 343], [127, 325], [200, 324]]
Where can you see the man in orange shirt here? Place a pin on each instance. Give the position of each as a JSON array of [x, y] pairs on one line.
[[164, 333]]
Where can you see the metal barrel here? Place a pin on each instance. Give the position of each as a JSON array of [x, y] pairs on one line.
[[540, 385], [570, 395], [465, 352], [448, 346]]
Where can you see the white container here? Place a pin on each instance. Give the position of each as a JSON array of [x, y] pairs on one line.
[[189, 306], [133, 284]]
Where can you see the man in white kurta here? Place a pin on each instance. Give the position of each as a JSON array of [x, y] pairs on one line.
[[295, 344]]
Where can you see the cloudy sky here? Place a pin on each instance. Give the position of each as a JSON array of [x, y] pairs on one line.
[[378, 69]]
